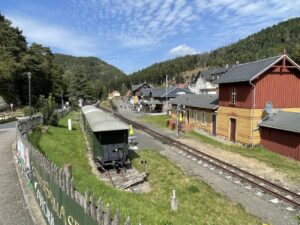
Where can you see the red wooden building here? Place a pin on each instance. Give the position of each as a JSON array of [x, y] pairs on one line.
[[280, 133], [246, 88]]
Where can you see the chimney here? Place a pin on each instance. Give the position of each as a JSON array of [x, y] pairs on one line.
[[237, 62], [284, 51]]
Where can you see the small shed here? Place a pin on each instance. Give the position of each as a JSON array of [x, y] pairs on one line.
[[280, 133]]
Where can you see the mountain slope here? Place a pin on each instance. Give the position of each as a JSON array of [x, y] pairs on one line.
[[92, 67], [265, 43], [89, 76]]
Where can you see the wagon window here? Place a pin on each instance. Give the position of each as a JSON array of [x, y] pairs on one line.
[[113, 137]]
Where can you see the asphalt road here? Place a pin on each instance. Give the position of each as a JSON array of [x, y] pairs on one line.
[[13, 208]]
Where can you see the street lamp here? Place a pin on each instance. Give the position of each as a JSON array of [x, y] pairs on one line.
[[29, 92]]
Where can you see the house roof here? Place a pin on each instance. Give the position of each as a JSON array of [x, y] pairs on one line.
[[172, 92], [134, 87], [288, 121], [249, 71], [207, 73], [197, 101]]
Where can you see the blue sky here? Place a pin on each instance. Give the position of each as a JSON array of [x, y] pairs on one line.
[[133, 34]]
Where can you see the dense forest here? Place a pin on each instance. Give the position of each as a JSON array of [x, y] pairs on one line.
[[61, 75], [265, 43], [17, 59], [88, 76]]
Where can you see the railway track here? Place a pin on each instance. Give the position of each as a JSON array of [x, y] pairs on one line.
[[281, 193]]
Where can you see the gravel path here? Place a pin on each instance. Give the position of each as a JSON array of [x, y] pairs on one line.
[[13, 208], [261, 207]]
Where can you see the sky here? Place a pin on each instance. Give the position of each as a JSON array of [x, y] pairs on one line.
[[134, 34]]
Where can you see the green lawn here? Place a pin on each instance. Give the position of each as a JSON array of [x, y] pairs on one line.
[[198, 203], [280, 163], [160, 120]]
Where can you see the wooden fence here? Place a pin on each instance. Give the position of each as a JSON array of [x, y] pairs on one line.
[[58, 183]]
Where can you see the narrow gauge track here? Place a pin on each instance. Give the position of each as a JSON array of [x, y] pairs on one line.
[[269, 187]]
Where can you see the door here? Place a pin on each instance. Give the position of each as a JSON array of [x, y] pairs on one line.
[[232, 129], [188, 116], [214, 125]]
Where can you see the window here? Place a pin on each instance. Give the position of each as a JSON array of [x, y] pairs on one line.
[[194, 116], [233, 96], [203, 119]]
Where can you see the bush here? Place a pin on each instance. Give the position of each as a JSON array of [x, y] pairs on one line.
[[53, 119], [27, 112]]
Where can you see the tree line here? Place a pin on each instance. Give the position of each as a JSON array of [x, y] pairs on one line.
[[265, 43], [65, 77]]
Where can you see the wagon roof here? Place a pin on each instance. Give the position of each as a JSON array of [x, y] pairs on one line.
[[101, 121], [288, 121]]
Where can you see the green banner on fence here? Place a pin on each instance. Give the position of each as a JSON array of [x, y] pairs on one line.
[[57, 207]]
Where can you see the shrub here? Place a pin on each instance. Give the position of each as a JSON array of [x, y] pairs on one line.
[[27, 112], [53, 119]]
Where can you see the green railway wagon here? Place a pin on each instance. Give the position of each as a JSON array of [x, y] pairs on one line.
[[108, 137]]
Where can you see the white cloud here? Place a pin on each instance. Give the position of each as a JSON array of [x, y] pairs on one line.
[[182, 50], [54, 36]]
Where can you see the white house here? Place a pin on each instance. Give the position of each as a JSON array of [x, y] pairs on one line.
[[203, 81]]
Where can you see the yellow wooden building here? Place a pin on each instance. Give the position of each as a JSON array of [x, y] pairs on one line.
[[199, 111]]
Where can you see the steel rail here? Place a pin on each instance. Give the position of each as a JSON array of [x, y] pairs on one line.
[[228, 168]]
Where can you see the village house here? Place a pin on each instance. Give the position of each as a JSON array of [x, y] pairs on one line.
[[159, 97], [245, 90], [199, 111], [202, 83], [136, 89]]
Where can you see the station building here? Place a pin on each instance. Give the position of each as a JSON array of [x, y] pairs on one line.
[[238, 113]]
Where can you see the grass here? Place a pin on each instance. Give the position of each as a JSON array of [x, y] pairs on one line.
[[198, 203], [105, 104], [160, 120], [280, 163]]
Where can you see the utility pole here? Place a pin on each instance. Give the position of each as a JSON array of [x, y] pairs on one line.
[[167, 92]]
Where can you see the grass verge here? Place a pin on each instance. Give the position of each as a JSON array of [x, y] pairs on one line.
[[280, 163], [160, 120], [198, 203]]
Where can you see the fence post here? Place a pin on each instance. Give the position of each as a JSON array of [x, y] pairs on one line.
[[107, 220], [93, 207], [68, 174], [99, 212], [127, 221], [87, 202], [72, 189], [116, 220]]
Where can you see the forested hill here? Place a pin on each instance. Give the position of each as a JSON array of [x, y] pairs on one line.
[[93, 67], [265, 43]]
